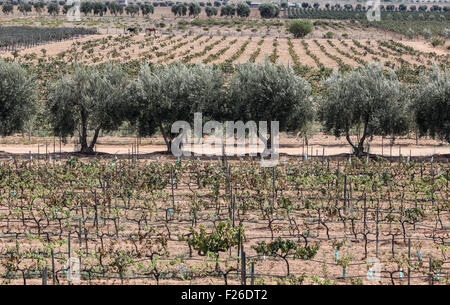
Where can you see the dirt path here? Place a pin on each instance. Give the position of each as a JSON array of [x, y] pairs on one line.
[[318, 145]]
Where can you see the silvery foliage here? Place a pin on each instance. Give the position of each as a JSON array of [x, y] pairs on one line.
[[410, 33], [87, 100], [431, 104], [446, 33], [426, 33], [17, 97], [268, 92], [171, 93], [367, 98]]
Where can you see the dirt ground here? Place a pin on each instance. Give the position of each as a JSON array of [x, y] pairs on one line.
[[256, 230], [318, 145]]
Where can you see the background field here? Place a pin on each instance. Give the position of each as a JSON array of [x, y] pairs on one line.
[[129, 209]]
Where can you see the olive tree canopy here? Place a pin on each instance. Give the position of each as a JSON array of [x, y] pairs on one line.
[[431, 104], [269, 92], [88, 100], [173, 93], [367, 98], [17, 97]]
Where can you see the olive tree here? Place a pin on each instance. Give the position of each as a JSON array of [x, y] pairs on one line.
[[179, 9], [431, 104], [147, 8], [269, 10], [194, 9], [132, 9], [53, 8], [25, 8], [211, 11], [7, 8], [99, 8], [243, 9], [269, 92], [366, 98], [114, 8], [88, 100], [228, 10], [16, 97], [86, 7], [172, 93]]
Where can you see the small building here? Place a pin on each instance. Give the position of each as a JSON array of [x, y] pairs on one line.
[[255, 4]]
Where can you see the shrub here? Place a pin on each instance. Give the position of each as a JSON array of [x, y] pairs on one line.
[[328, 35], [436, 41], [446, 33], [300, 28], [426, 33]]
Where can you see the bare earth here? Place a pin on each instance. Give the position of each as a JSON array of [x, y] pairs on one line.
[[317, 146]]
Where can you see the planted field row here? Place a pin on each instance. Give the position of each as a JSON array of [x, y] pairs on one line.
[[14, 37], [191, 221], [318, 53]]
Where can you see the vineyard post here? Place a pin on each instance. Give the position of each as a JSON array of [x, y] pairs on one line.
[[447, 182], [303, 147], [432, 170], [230, 191], [350, 203], [337, 175], [234, 208], [53, 267], [44, 276], [345, 190], [252, 274], [239, 243], [96, 210], [409, 257], [68, 244], [46, 150], [376, 230], [79, 232], [382, 146], [243, 269], [431, 271], [365, 212], [171, 182], [273, 184], [38, 153]]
